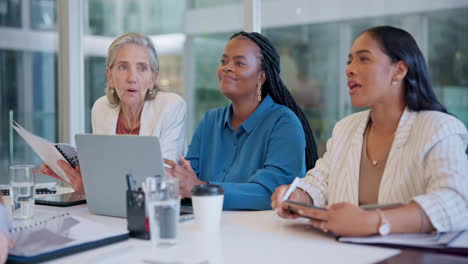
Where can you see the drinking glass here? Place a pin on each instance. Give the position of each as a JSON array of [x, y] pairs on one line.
[[163, 207], [22, 193]]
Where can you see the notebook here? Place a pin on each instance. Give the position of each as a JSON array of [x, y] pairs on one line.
[[41, 188], [50, 152], [58, 236]]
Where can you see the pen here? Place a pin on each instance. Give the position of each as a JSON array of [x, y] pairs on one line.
[[130, 182], [291, 188]]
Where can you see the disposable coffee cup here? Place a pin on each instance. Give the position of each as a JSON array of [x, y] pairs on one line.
[[207, 201]]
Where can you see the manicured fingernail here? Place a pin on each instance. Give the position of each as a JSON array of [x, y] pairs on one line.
[[300, 212]]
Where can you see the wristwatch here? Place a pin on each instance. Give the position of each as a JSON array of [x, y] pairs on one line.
[[384, 227]]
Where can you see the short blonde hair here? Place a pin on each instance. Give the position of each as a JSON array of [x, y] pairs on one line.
[[140, 40]]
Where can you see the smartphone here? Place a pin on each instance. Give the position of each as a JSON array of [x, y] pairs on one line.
[[293, 210], [62, 200]]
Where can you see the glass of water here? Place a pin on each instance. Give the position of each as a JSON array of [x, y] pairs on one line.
[[163, 207], [22, 193]]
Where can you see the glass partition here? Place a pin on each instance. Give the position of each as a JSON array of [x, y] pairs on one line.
[[207, 51], [29, 87], [10, 13]]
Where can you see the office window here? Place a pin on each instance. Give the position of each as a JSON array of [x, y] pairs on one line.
[[10, 13], [309, 68], [149, 17], [170, 73], [43, 14], [448, 59], [95, 81], [207, 51], [212, 3], [28, 88], [154, 17], [28, 79], [101, 18]]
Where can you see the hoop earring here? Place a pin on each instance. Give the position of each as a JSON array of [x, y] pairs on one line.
[[259, 92]]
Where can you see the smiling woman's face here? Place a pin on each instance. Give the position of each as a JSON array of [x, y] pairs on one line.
[[131, 75], [239, 71]]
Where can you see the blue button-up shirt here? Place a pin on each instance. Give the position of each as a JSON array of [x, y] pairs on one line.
[[268, 150]]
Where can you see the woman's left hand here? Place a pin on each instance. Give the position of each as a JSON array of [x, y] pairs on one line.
[[185, 174], [343, 219]]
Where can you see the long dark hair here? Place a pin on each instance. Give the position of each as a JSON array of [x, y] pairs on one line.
[[399, 45], [275, 87]]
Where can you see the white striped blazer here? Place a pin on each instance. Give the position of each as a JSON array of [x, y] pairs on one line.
[[427, 163]]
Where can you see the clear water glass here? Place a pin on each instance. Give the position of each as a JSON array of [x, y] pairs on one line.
[[22, 193], [163, 208]]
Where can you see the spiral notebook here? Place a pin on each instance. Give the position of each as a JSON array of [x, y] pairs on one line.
[[50, 152], [41, 188], [58, 236]]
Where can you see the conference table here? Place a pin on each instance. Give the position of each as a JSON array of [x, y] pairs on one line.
[[244, 237]]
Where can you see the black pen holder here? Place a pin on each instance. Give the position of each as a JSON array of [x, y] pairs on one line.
[[136, 215]]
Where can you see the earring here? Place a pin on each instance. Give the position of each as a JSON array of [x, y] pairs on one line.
[[112, 91], [150, 92], [259, 92], [395, 82]]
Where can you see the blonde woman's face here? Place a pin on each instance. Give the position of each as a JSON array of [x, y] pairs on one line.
[[131, 75]]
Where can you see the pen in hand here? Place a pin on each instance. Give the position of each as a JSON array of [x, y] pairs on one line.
[[291, 189]]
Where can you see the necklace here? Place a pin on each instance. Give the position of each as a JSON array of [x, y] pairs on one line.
[[374, 162]]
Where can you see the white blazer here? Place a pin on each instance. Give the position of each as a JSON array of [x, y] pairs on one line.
[[427, 163], [163, 117]]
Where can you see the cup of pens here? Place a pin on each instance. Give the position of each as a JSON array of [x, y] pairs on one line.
[[163, 207]]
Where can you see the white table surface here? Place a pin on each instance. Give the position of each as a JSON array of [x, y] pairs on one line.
[[244, 237]]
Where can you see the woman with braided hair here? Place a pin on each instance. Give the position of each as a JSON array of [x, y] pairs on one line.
[[258, 142]]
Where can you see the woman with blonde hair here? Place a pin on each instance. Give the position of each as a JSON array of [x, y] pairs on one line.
[[133, 104]]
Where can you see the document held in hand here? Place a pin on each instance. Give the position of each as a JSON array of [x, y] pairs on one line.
[[50, 152]]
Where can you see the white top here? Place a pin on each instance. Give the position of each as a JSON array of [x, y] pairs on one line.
[[427, 163], [163, 117]]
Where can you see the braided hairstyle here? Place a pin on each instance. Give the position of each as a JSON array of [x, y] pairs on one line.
[[275, 87]]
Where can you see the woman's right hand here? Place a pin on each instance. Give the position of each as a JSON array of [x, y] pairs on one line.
[[298, 195], [74, 175]]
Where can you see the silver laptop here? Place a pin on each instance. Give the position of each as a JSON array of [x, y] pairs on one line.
[[104, 162]]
